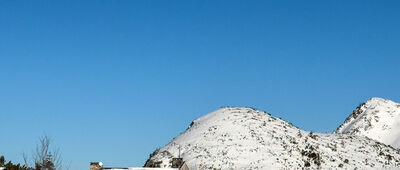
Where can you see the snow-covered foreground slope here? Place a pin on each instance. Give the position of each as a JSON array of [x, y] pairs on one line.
[[245, 138], [377, 119]]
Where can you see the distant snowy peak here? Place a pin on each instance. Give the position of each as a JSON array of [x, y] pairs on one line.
[[377, 119]]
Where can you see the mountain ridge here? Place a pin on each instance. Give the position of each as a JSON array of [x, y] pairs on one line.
[[377, 118], [246, 138]]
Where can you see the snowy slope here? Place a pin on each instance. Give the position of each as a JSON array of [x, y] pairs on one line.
[[377, 119], [245, 138]]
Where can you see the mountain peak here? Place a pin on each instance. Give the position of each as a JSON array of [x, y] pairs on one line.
[[377, 118], [379, 100], [246, 138]]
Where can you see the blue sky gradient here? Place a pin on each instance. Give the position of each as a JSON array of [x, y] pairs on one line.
[[113, 80]]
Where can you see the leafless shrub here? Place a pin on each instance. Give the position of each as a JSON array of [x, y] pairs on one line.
[[46, 158]]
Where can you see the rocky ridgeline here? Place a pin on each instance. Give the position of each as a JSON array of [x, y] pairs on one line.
[[245, 138], [377, 119]]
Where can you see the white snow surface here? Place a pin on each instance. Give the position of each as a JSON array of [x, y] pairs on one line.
[[140, 168], [245, 138], [377, 119]]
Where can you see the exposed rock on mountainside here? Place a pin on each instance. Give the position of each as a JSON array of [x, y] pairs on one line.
[[245, 138], [377, 119]]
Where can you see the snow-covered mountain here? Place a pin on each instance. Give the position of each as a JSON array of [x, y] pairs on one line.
[[377, 119], [245, 138]]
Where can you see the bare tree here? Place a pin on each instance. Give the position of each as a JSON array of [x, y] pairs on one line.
[[25, 159], [46, 159]]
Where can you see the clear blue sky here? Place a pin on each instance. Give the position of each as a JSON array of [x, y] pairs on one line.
[[113, 80]]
